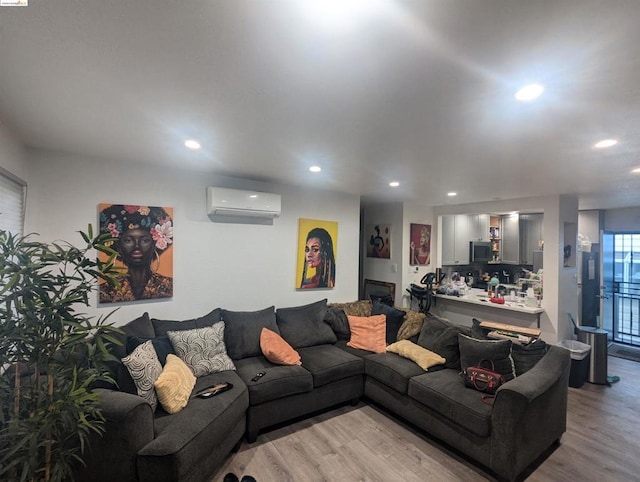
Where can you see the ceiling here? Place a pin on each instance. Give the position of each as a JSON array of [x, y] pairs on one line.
[[419, 92]]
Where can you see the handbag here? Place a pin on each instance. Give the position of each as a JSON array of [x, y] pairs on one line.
[[483, 379]]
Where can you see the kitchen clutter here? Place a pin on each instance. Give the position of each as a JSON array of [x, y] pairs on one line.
[[526, 290]]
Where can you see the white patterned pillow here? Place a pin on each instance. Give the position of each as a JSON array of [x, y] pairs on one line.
[[202, 349], [145, 368]]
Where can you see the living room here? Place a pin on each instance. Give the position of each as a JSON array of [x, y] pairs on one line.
[[69, 172]]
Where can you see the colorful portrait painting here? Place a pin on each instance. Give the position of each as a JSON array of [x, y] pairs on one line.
[[420, 244], [379, 241], [317, 253], [143, 238]]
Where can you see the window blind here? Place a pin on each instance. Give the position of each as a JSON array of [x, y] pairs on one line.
[[12, 195]]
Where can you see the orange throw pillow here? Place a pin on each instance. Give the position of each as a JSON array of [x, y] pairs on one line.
[[277, 350], [368, 332]]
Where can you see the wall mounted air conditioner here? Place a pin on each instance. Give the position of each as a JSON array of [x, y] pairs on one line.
[[236, 202]]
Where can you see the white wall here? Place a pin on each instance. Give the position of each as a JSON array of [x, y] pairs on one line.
[[388, 270], [12, 155], [589, 224], [233, 266], [622, 220], [419, 214]]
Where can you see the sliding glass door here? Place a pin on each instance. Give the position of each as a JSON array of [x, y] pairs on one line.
[[620, 289]]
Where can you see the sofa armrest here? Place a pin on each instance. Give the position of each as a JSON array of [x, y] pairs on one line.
[[530, 413], [129, 427]]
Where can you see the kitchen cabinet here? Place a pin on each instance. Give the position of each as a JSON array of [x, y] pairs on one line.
[[530, 236], [478, 227], [510, 239], [455, 239]]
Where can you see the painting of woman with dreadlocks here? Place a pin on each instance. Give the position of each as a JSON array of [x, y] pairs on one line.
[[143, 238], [317, 242]]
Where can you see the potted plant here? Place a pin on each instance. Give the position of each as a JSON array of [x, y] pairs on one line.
[[51, 353]]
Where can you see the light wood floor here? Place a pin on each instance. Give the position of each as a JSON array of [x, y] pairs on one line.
[[364, 443]]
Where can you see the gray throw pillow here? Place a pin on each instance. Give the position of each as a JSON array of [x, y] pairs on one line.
[[243, 328], [202, 349], [141, 326], [337, 319], [161, 327], [473, 351], [441, 337], [395, 318], [303, 326], [525, 357], [145, 368]]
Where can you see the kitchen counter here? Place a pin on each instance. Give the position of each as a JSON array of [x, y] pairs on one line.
[[477, 300]]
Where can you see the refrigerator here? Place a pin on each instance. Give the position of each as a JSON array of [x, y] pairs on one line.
[[589, 286]]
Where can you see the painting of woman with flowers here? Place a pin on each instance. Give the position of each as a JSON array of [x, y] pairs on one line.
[[143, 238]]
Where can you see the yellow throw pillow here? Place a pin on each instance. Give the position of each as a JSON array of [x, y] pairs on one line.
[[174, 385], [423, 357], [368, 332], [277, 350]]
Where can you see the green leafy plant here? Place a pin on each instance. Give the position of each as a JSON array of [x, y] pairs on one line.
[[51, 353]]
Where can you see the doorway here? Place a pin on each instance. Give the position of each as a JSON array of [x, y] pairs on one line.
[[620, 289]]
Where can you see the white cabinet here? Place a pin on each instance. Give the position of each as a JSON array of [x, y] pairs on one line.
[[510, 239], [478, 227], [530, 236], [455, 239]]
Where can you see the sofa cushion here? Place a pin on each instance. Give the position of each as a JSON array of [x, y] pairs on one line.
[[161, 327], [342, 344], [161, 344], [327, 364], [473, 351], [185, 439], [174, 385], [368, 332], [525, 357], [354, 308], [141, 327], [336, 318], [243, 328], [392, 370], [424, 358], [278, 381], [277, 350], [202, 349], [395, 318], [304, 325], [412, 324], [444, 392], [145, 368], [440, 336]]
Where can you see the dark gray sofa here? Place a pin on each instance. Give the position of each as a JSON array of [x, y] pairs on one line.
[[528, 416]]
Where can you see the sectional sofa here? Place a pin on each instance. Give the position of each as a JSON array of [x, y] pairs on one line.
[[332, 367]]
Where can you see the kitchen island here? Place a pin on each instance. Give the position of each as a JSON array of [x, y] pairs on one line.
[[476, 304]]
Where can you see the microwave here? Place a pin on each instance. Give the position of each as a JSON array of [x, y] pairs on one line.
[[480, 251]]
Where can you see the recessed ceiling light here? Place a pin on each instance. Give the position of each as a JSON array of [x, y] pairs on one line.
[[192, 144], [605, 143], [315, 169], [394, 184], [451, 194], [636, 170], [529, 92]]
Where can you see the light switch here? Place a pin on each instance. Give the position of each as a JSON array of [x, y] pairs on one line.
[[394, 267]]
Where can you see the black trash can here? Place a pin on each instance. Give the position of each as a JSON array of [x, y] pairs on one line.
[[580, 355]]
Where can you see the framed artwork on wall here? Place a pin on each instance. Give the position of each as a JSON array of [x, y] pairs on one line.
[[317, 253], [143, 238], [420, 244], [379, 241]]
